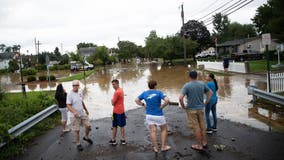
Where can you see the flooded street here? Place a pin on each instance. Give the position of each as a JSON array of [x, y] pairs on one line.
[[233, 104]]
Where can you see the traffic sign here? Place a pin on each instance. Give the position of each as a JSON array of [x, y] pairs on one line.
[[266, 39]]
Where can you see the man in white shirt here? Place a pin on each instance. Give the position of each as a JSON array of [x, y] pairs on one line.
[[79, 116]]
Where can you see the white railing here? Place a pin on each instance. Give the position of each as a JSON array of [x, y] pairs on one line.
[[277, 82]]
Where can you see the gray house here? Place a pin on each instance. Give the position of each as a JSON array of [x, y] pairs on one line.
[[85, 52], [5, 59], [247, 45]]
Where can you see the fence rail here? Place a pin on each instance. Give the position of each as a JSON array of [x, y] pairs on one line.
[[252, 90], [277, 82], [30, 122]]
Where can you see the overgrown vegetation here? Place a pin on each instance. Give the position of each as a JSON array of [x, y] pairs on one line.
[[15, 108]]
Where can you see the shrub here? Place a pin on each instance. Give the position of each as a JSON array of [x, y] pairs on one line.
[[30, 71], [31, 78], [52, 77], [42, 78]]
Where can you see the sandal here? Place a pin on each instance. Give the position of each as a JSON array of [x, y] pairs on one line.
[[88, 140], [155, 150], [166, 148], [197, 147]]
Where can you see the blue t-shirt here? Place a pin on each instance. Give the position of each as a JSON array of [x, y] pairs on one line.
[[194, 93], [211, 86], [153, 101]]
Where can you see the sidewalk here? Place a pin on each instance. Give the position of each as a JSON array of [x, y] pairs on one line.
[[241, 142]]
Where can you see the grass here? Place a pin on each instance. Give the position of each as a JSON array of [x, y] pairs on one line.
[[78, 76], [15, 108], [261, 66]]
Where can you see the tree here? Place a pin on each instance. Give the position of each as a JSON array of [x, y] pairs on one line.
[[220, 23], [13, 65], [196, 31], [151, 44], [2, 47], [238, 31], [84, 45], [127, 50], [269, 18], [75, 56]]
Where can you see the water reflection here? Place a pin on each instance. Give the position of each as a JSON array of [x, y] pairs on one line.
[[272, 116], [234, 102]]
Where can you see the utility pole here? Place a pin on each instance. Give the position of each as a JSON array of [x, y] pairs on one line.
[[37, 45], [183, 35], [36, 52]]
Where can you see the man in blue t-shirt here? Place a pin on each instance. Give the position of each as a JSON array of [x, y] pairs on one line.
[[194, 90]]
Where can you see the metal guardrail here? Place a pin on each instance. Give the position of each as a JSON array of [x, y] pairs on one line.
[[252, 90], [30, 122]]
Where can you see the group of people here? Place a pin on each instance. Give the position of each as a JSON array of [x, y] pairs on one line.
[[154, 101]]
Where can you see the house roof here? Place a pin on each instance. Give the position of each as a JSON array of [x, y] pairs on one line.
[[237, 42], [6, 55], [87, 50]]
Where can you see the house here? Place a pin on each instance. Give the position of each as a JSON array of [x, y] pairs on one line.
[[85, 52], [245, 48], [5, 58]]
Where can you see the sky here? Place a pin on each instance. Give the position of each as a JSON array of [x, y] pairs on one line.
[[65, 23]]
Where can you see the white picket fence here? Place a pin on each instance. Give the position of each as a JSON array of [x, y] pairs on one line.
[[276, 82]]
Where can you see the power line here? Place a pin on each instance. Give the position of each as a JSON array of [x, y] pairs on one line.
[[210, 5], [232, 11], [236, 4], [215, 10]]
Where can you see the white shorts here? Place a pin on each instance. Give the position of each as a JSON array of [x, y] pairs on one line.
[[63, 114], [156, 120]]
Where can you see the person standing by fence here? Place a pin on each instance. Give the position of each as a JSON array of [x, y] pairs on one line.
[[80, 114], [211, 105], [60, 96]]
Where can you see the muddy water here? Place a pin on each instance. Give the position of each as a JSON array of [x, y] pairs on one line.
[[234, 102]]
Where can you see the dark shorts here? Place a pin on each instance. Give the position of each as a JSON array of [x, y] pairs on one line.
[[118, 120]]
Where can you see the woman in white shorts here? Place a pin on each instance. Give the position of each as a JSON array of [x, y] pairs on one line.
[[154, 114], [60, 96]]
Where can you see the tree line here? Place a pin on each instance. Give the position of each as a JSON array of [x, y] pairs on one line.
[[193, 37]]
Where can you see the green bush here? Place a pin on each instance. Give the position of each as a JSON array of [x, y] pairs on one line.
[[52, 77], [15, 108], [28, 72], [31, 78], [42, 78]]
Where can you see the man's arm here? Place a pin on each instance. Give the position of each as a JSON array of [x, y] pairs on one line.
[[71, 109], [181, 101], [114, 98], [85, 108]]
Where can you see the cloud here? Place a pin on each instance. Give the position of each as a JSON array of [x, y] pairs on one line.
[[101, 22]]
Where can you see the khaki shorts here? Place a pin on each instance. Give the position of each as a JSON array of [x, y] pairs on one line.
[[196, 119], [81, 121]]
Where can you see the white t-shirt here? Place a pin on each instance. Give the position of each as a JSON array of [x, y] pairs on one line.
[[75, 99]]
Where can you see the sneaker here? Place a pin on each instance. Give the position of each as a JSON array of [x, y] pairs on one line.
[[123, 142], [88, 140], [214, 129], [112, 142], [209, 131], [79, 147]]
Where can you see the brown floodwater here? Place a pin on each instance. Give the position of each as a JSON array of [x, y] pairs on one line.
[[233, 99]]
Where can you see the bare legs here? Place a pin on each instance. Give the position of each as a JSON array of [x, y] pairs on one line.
[[153, 134], [122, 133]]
